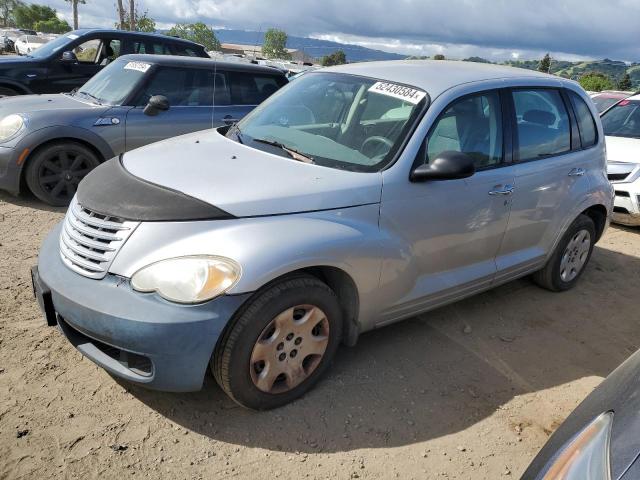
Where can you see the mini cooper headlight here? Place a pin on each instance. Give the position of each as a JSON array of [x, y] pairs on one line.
[[9, 126], [191, 279], [586, 457]]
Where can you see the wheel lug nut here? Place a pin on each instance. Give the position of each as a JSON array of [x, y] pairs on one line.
[[289, 337], [293, 353], [298, 341], [280, 346], [282, 356]]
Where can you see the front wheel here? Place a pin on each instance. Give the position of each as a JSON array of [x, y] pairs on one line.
[[570, 257], [54, 172], [280, 344]]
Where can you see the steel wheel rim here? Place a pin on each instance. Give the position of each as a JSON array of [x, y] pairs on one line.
[[575, 255], [289, 349], [61, 172]]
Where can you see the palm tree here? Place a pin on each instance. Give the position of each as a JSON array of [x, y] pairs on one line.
[[132, 15], [121, 15], [74, 6]]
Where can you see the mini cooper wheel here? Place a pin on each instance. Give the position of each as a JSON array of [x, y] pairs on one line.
[[280, 343], [570, 256], [54, 172]]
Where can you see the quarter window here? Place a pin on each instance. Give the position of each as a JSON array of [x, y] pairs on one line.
[[182, 87], [472, 125], [586, 123], [542, 123]]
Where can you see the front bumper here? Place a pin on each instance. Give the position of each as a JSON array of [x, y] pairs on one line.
[[139, 337], [626, 206], [9, 171]]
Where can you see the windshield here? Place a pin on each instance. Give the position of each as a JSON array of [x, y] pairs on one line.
[[113, 84], [335, 120], [54, 46], [623, 120], [602, 102]]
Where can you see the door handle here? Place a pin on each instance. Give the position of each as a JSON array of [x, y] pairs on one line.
[[502, 190], [229, 120], [577, 172]]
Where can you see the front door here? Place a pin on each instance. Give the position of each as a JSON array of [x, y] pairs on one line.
[[190, 95], [450, 230]]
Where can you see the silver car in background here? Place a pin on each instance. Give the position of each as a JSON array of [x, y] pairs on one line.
[[354, 197]]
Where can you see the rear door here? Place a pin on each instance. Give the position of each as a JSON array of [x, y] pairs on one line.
[[550, 179], [239, 92], [190, 95]]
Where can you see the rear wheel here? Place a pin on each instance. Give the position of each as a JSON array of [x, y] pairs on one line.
[[570, 257], [54, 172], [280, 344]]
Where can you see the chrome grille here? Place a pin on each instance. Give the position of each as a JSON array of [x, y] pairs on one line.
[[90, 241]]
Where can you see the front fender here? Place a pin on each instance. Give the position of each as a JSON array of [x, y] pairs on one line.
[[20, 87], [268, 247]]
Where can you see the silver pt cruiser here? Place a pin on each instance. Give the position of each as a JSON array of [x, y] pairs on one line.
[[354, 197]]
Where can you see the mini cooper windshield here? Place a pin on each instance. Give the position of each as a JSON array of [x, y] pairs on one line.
[[113, 84], [335, 120]]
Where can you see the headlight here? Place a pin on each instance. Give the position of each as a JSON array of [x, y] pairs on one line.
[[192, 279], [9, 126], [586, 457]]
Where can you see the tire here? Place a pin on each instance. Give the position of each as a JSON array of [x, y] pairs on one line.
[[8, 92], [54, 171], [570, 258], [234, 363]]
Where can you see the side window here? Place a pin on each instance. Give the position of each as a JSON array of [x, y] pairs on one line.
[[87, 52], [184, 51], [586, 123], [542, 123], [472, 125], [183, 87], [110, 51], [151, 48], [245, 89], [221, 92], [138, 47]]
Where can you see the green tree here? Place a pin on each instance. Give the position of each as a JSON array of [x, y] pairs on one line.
[[625, 82], [74, 8], [595, 82], [27, 16], [275, 44], [336, 58], [142, 23], [196, 32], [6, 12], [54, 25], [438, 56], [545, 64]]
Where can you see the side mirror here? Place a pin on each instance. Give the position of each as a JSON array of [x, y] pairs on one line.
[[69, 57], [448, 165], [156, 104]]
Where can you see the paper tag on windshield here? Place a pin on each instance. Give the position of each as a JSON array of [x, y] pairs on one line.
[[408, 94], [73, 36], [139, 66]]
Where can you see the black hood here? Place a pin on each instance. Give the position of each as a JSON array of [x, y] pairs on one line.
[[111, 190]]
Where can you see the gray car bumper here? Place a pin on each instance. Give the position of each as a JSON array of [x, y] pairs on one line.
[[9, 171], [139, 337]]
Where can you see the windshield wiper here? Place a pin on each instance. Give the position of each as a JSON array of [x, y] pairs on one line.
[[98, 100], [295, 154]]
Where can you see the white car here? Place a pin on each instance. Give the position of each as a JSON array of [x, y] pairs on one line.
[[621, 125], [28, 43]]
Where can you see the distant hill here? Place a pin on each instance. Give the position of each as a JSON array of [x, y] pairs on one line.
[[313, 47]]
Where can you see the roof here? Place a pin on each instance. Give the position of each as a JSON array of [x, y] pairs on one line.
[[435, 76], [82, 31], [183, 61]]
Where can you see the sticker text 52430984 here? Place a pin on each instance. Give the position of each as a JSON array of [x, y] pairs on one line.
[[408, 94], [139, 66]]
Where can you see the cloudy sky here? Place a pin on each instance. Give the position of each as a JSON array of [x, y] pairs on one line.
[[494, 29]]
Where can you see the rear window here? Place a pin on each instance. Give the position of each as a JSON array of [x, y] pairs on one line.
[[623, 120], [542, 123], [586, 123]]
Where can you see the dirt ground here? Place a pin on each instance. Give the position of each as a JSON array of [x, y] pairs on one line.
[[470, 391]]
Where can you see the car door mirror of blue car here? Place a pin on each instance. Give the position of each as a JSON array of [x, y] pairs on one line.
[[69, 57], [155, 105], [448, 165]]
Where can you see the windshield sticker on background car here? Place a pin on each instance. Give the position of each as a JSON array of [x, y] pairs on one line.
[[139, 66], [402, 92]]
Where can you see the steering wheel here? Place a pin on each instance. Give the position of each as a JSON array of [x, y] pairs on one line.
[[374, 140]]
